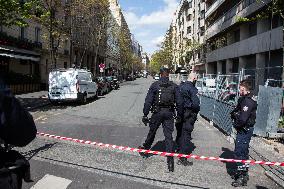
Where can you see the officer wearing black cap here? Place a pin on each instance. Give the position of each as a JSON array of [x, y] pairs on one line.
[[161, 99], [244, 116]]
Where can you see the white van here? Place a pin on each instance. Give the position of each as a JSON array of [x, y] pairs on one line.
[[71, 85]]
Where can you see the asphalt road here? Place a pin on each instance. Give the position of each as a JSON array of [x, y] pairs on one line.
[[116, 119]]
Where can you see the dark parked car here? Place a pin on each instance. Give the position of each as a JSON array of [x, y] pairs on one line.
[[113, 82], [129, 77]]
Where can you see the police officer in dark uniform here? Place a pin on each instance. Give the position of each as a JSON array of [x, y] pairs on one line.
[[244, 116], [161, 99], [191, 107]]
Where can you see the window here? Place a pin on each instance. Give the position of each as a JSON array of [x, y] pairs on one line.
[[22, 33], [202, 30], [37, 34], [188, 29], [190, 4], [189, 17], [237, 35], [252, 29], [202, 14], [46, 66]]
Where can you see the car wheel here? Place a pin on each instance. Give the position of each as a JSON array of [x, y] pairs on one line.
[[84, 99], [54, 103]]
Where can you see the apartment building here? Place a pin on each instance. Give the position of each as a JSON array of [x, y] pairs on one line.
[[188, 29], [123, 28], [255, 46], [25, 51]]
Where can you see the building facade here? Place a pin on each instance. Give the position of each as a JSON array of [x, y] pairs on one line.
[[188, 27], [255, 46]]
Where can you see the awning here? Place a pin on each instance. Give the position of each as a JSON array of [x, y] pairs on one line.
[[16, 53], [21, 57]]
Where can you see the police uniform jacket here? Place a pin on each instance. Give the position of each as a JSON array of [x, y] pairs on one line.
[[154, 89], [189, 95], [245, 111]]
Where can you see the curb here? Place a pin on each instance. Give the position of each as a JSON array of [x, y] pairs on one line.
[[36, 107]]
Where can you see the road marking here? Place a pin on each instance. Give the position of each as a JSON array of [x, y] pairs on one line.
[[43, 119], [52, 182], [40, 117]]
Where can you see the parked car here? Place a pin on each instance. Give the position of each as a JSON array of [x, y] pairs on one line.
[[157, 77], [71, 85], [145, 74], [115, 83], [103, 86], [129, 77]]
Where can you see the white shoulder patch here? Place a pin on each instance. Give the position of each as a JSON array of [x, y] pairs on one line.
[[245, 109]]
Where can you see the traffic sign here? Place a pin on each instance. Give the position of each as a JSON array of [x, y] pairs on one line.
[[102, 66]]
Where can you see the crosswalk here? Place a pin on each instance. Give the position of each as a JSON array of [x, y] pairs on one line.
[[52, 182]]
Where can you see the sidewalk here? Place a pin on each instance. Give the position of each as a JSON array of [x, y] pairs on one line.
[[261, 150], [34, 100]]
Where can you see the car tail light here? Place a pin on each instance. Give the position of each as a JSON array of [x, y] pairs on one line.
[[77, 86]]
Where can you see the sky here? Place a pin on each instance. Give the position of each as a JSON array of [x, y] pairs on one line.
[[149, 20]]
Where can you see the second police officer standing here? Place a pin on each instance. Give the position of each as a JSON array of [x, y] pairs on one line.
[[191, 107], [161, 98], [244, 119]]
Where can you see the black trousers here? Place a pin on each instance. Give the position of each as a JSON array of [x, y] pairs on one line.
[[242, 147], [165, 117], [187, 128]]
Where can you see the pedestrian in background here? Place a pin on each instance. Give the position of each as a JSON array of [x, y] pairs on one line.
[[191, 107], [161, 98], [244, 116]]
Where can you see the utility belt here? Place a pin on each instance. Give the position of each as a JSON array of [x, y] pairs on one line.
[[158, 108]]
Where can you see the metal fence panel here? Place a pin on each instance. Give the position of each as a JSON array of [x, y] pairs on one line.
[[206, 106], [268, 110], [222, 116]]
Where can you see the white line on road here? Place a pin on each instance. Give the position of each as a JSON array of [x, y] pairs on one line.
[[40, 117], [52, 182]]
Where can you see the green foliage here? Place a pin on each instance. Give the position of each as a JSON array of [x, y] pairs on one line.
[[164, 56], [276, 7], [13, 12]]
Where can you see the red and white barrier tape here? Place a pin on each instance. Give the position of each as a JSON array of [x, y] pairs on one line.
[[252, 162]]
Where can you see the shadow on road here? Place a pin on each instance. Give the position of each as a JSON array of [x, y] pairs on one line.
[[34, 104], [30, 154], [260, 187], [230, 166]]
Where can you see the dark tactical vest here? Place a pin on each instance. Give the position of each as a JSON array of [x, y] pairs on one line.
[[165, 96]]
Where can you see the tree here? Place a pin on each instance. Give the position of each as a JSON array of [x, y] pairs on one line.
[[163, 56], [126, 54], [15, 12], [88, 26], [51, 15]]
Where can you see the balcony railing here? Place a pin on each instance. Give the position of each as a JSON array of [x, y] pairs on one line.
[[18, 42], [213, 7], [233, 11]]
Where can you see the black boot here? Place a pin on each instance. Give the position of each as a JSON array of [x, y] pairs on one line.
[[183, 161], [240, 181], [142, 153], [170, 162], [236, 175]]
